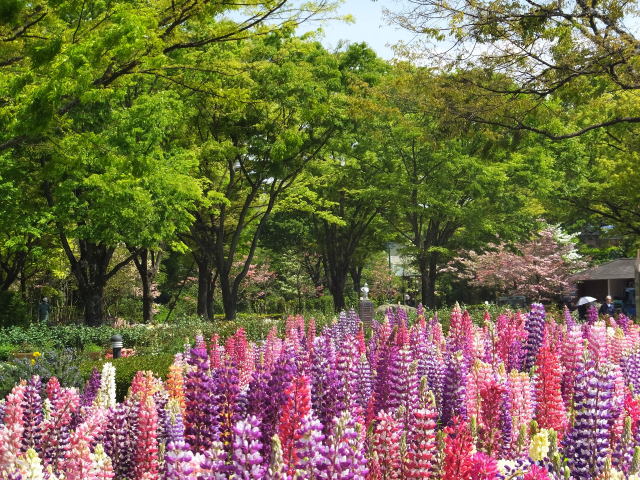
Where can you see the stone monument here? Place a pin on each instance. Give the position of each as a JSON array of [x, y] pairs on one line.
[[366, 306]]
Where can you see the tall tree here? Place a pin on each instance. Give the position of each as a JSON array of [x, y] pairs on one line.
[[580, 53], [287, 105], [85, 98], [456, 186]]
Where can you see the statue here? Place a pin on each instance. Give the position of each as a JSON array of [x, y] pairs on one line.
[[365, 292]]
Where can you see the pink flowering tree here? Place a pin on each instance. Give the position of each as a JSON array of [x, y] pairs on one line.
[[539, 268]]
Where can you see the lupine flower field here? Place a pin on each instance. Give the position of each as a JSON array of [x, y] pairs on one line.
[[524, 396]]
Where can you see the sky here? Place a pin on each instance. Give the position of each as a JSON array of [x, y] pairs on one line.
[[370, 26]]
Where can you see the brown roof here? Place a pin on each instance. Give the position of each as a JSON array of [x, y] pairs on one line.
[[615, 269]]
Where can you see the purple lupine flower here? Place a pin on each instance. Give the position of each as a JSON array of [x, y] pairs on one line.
[[175, 429], [568, 318], [91, 388], [226, 392], [631, 370], [253, 400], [345, 451], [177, 461], [587, 444], [119, 439], [160, 400], [386, 357], [405, 384], [430, 367], [213, 464], [515, 355], [364, 386], [592, 315], [201, 412], [624, 450], [32, 414], [283, 373], [347, 372], [506, 424], [534, 326], [325, 383], [455, 381], [246, 458], [624, 322], [310, 449], [2, 407]]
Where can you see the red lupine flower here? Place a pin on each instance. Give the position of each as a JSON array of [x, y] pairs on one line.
[[296, 407], [550, 409], [458, 448]]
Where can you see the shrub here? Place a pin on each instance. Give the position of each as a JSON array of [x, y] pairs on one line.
[[6, 351], [126, 369], [63, 365]]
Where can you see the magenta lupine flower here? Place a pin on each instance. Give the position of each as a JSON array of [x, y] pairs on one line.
[[568, 318], [484, 467], [310, 449], [535, 333], [346, 369], [624, 322], [32, 414], [587, 445], [201, 410], [570, 357], [592, 315], [247, 462]]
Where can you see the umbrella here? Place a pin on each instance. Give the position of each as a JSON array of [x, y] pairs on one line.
[[585, 300]]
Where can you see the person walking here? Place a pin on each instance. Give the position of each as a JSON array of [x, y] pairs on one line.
[[43, 310], [608, 308]]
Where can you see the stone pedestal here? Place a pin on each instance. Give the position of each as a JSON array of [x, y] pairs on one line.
[[366, 312]]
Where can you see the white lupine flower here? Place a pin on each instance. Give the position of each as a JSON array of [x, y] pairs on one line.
[[106, 396], [30, 466]]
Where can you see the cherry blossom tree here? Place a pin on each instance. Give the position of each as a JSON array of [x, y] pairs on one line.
[[539, 269]]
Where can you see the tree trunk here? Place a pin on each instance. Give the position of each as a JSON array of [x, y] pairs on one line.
[[147, 263], [93, 301], [432, 275], [210, 295], [424, 278], [336, 287], [356, 278], [204, 287], [229, 298]]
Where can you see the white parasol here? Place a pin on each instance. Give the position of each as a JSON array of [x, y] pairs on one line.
[[585, 300]]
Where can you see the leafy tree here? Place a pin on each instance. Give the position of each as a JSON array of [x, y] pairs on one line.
[[558, 59], [87, 102], [287, 105], [350, 181], [454, 185]]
